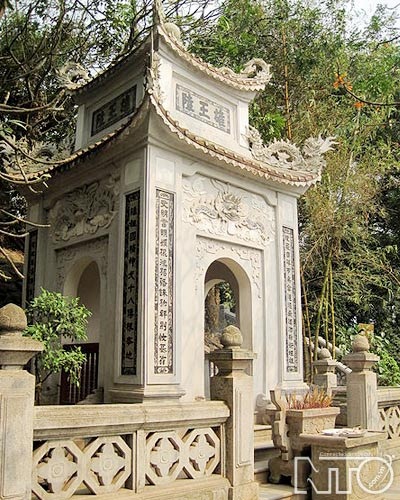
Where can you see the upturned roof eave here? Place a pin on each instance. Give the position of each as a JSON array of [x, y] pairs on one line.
[[213, 152]]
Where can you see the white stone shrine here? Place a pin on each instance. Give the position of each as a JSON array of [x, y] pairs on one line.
[[168, 192]]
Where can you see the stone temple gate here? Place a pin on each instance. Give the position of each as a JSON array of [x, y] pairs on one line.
[[168, 191]]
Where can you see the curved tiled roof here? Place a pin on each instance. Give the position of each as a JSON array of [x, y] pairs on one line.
[[240, 163], [166, 31]]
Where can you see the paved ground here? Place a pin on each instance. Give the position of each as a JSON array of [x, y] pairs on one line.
[[281, 492]]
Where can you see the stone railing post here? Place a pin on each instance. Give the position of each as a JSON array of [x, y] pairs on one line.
[[234, 385], [325, 370], [362, 395], [17, 392]]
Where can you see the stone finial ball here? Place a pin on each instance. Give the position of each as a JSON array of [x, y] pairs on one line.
[[231, 337], [12, 319], [360, 343], [324, 353]]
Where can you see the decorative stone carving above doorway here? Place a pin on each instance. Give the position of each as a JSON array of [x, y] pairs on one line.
[[91, 250], [84, 210], [220, 209], [252, 256]]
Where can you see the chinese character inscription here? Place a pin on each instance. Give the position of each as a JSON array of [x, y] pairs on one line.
[[290, 300], [131, 278], [203, 109], [114, 110], [164, 279]]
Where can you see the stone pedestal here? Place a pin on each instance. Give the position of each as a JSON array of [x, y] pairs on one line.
[[325, 370], [17, 391], [348, 468], [233, 385], [362, 395]]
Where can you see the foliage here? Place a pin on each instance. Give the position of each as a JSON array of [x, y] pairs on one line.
[[387, 369], [53, 318], [38, 38], [315, 397], [330, 77]]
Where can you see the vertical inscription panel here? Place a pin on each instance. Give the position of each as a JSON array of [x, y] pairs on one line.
[[131, 282], [164, 284], [292, 349], [31, 267]]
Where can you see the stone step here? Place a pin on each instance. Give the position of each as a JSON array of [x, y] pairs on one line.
[[262, 437], [278, 492], [264, 450]]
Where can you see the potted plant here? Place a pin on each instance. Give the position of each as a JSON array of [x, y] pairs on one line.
[[293, 416]]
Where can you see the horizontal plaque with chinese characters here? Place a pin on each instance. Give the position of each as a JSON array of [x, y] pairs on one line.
[[203, 109], [164, 280], [114, 110]]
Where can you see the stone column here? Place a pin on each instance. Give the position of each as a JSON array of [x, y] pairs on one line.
[[17, 392], [362, 396], [325, 368], [234, 385]]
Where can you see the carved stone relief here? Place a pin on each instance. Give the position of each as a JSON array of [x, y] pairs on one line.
[[191, 453], [84, 210], [65, 257], [292, 349], [164, 283], [286, 155], [206, 246], [217, 208]]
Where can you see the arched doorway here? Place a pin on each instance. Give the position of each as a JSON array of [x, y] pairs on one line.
[[83, 281], [227, 301]]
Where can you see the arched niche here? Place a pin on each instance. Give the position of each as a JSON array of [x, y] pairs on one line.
[[84, 281], [88, 291], [229, 271]]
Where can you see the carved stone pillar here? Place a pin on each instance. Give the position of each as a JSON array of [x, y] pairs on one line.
[[233, 385], [325, 368], [362, 396], [17, 390]]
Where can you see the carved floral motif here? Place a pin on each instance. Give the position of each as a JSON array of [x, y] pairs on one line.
[[65, 257], [192, 453], [219, 209], [286, 155], [206, 246], [84, 210], [390, 421], [60, 467]]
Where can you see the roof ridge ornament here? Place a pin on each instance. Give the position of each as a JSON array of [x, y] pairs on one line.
[[160, 19], [72, 75], [255, 68], [286, 155]]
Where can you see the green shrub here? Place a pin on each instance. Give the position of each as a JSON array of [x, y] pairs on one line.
[[53, 318]]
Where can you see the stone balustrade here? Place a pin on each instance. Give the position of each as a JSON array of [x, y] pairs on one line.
[[389, 410], [151, 450], [103, 448]]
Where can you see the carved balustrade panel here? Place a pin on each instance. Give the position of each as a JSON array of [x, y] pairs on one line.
[[60, 467], [190, 454], [103, 465], [390, 421]]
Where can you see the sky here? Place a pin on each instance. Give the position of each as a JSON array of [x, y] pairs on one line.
[[369, 6]]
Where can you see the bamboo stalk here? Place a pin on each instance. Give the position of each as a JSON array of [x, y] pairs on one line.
[[321, 305], [332, 312]]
